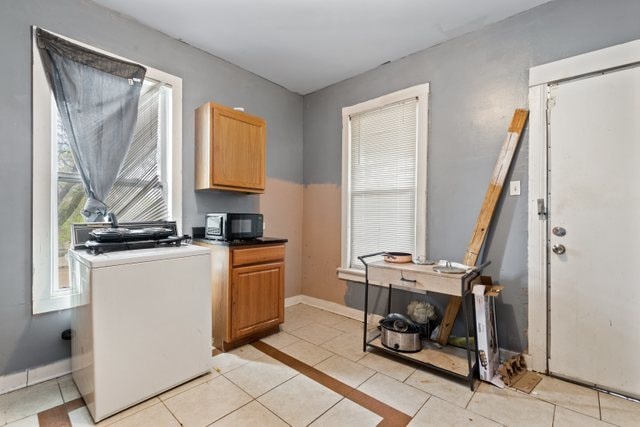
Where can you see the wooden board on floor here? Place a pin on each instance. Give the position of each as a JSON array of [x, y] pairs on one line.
[[528, 382], [486, 213]]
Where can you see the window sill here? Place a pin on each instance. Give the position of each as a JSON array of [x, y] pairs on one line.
[[58, 302], [353, 275]]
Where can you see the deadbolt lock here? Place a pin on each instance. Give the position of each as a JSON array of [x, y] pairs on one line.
[[558, 249], [559, 231]]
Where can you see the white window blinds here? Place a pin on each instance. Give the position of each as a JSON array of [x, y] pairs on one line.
[[383, 180]]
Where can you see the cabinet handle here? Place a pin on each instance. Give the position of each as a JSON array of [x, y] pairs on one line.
[[408, 280]]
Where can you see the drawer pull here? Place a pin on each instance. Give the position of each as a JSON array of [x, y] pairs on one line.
[[408, 280]]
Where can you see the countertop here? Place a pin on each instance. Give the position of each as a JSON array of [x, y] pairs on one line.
[[236, 243]]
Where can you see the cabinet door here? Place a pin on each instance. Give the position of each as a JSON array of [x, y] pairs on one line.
[[238, 150], [257, 300]]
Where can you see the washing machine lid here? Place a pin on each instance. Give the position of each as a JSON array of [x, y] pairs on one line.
[[110, 259]]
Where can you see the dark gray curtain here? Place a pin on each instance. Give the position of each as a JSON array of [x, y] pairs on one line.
[[97, 99]]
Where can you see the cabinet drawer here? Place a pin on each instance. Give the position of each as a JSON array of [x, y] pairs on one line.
[[257, 255], [418, 281]]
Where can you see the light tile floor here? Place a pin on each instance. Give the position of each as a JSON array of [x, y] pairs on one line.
[[247, 387]]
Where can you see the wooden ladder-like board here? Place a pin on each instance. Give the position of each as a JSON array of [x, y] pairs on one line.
[[486, 213]]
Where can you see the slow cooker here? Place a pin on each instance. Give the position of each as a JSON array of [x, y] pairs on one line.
[[400, 333]]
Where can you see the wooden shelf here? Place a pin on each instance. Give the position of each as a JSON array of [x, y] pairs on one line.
[[447, 358]]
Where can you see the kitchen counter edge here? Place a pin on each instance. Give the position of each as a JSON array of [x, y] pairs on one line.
[[240, 243]]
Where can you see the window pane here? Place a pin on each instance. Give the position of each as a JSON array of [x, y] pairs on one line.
[[137, 194], [71, 199], [65, 158], [383, 180]]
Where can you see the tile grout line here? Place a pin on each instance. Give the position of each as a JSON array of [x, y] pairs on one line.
[[471, 398], [328, 409], [550, 402], [57, 416], [224, 416], [599, 406], [474, 412], [262, 394], [390, 415], [429, 396], [254, 399], [162, 402], [276, 415]]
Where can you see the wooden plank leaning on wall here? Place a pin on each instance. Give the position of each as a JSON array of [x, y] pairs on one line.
[[483, 222]]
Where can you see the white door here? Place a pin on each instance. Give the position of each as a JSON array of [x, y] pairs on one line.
[[594, 195]]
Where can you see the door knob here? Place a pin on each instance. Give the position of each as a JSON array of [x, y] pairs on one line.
[[558, 249]]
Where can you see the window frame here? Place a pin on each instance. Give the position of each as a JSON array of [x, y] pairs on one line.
[[421, 92], [44, 188]]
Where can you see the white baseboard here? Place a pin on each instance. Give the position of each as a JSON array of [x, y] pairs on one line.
[[47, 372], [13, 382], [34, 376], [343, 310], [288, 302]]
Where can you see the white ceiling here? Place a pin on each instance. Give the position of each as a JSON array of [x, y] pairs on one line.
[[305, 45]]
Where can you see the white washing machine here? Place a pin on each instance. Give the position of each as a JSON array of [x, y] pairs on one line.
[[141, 323]]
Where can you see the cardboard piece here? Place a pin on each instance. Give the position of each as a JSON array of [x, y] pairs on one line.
[[512, 369], [484, 293], [514, 374], [527, 382]]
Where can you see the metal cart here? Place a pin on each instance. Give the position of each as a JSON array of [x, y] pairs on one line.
[[423, 279]]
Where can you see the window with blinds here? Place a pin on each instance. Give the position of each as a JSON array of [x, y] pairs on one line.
[[383, 183]]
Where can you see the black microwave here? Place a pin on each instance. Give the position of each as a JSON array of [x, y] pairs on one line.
[[233, 226]]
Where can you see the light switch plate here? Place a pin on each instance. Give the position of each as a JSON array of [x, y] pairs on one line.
[[514, 188]]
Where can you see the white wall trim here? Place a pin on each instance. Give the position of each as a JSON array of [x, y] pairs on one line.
[[13, 382], [592, 62], [343, 310], [34, 376], [537, 253], [540, 78], [296, 299], [47, 372]]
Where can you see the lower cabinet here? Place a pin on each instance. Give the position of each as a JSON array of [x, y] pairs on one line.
[[257, 301], [247, 292]]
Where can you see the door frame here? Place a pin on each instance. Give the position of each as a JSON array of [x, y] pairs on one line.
[[540, 78]]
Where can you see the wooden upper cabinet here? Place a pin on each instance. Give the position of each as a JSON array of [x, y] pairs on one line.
[[230, 150]]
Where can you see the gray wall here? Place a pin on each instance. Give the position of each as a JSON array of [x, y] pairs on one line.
[[27, 341], [477, 80]]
